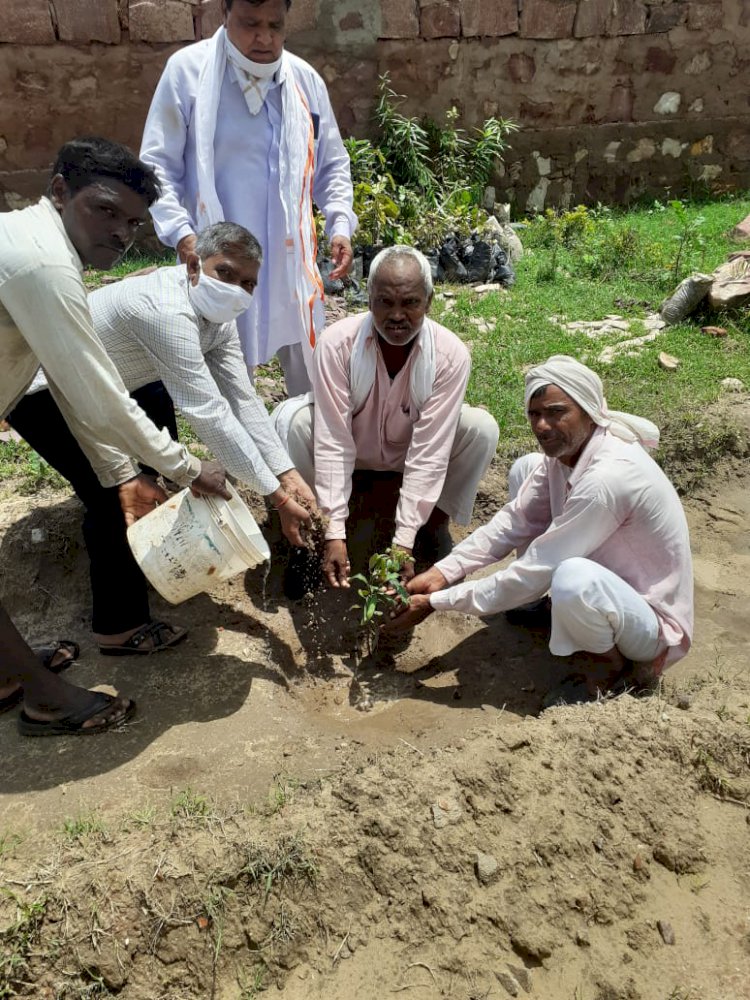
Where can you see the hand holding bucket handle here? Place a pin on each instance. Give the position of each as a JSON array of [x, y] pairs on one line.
[[139, 496], [211, 481]]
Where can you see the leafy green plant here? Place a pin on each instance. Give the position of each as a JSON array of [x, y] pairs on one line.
[[404, 141], [422, 179], [381, 590]]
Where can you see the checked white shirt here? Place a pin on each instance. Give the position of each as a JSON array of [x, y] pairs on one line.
[[151, 332]]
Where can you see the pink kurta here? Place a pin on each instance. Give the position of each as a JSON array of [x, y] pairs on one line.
[[387, 434], [616, 507]]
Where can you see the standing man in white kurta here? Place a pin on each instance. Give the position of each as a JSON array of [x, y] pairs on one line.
[[242, 130]]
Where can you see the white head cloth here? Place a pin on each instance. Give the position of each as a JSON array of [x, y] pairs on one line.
[[296, 175], [364, 360], [362, 369], [585, 387]]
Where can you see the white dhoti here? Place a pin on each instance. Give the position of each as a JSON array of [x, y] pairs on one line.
[[593, 609], [293, 364], [474, 447]]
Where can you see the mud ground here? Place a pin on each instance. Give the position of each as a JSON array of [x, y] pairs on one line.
[[601, 820]]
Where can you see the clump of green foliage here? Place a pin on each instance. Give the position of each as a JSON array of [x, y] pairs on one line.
[[602, 245], [380, 591], [28, 471], [421, 179]]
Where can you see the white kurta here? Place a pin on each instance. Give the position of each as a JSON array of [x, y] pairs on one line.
[[246, 151]]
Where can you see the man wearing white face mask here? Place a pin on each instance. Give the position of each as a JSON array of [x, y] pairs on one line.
[[175, 325], [388, 389], [241, 129]]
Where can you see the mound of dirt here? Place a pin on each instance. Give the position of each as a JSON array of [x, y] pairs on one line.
[[588, 846]]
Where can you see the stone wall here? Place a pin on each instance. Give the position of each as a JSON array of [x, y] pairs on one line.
[[617, 98]]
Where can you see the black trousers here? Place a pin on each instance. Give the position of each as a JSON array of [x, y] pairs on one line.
[[119, 589]]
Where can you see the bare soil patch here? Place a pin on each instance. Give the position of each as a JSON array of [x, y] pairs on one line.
[[255, 827]]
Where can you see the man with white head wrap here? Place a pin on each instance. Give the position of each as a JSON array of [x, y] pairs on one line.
[[596, 523], [389, 388]]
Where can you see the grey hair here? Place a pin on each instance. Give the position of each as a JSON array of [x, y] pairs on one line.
[[228, 237], [401, 252]]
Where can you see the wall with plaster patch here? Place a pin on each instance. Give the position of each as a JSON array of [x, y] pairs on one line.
[[617, 98]]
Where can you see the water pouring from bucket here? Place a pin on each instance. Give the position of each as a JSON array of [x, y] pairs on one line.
[[188, 544]]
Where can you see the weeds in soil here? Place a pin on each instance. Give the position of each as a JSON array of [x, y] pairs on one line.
[[80, 828], [192, 806], [141, 819], [9, 842], [281, 793], [381, 590], [252, 984], [30, 472], [266, 867], [18, 939], [688, 238]]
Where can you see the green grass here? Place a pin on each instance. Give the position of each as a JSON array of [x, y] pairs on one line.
[[523, 333], [581, 265], [29, 472]]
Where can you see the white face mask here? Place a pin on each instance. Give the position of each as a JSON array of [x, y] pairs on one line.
[[217, 301], [263, 71]]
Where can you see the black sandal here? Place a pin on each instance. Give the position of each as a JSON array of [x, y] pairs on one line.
[[73, 724], [163, 637], [46, 655]]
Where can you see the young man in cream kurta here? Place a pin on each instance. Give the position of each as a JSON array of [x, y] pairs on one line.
[[237, 128], [97, 198]]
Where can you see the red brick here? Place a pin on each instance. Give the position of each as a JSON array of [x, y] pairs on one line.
[[592, 18], [548, 18], [521, 68], [441, 20], [83, 21], [628, 18], [27, 23], [705, 16], [659, 61], [489, 18], [400, 19], [666, 17], [161, 21]]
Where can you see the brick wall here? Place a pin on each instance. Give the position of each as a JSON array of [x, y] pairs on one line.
[[617, 98]]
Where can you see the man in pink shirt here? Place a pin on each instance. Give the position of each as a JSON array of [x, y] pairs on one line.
[[597, 524], [388, 389]]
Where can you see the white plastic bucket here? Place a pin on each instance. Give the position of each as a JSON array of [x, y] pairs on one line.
[[187, 544]]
